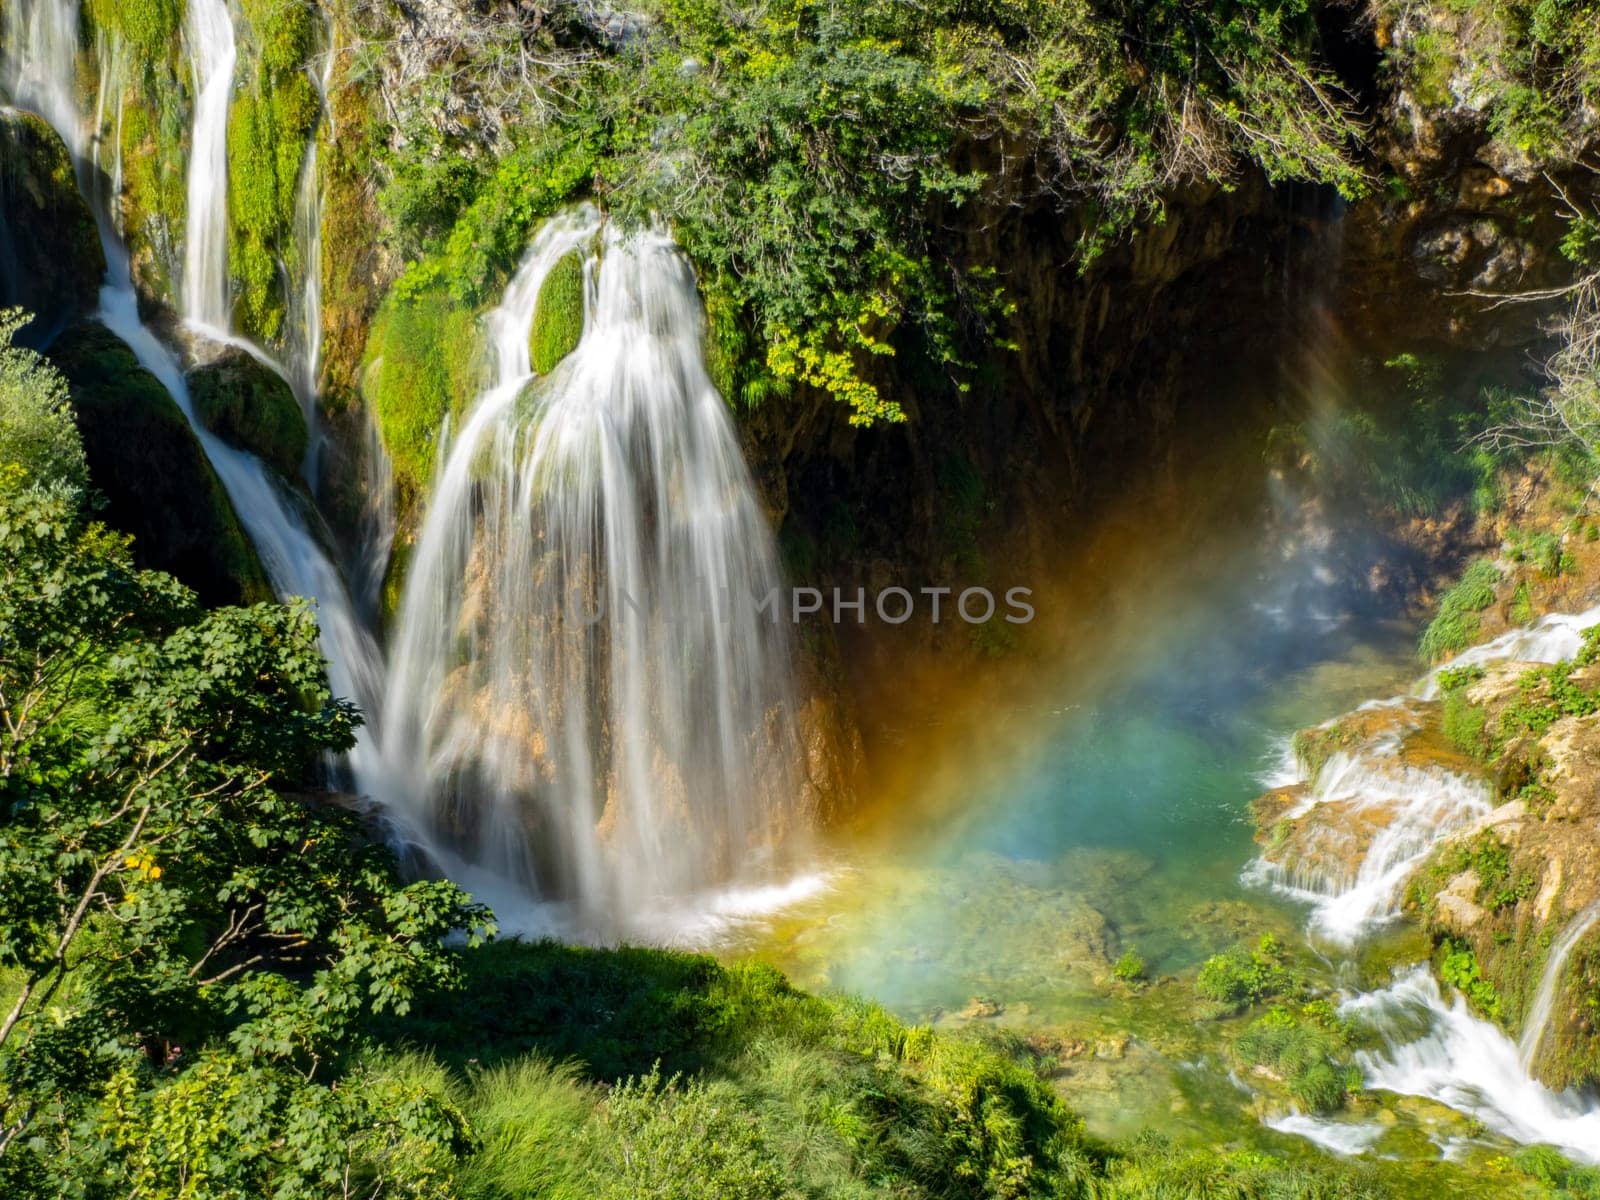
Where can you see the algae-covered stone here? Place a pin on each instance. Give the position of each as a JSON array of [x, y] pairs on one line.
[[158, 484], [558, 314], [51, 262], [247, 403]]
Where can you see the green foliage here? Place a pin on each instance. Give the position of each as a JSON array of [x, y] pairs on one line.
[[1458, 966], [1521, 610], [832, 1091], [1154, 1170], [557, 314], [800, 147], [37, 432], [1241, 975], [191, 946], [1456, 624], [249, 404], [667, 1142], [1309, 1049], [1549, 1166], [1547, 694], [1540, 550], [1462, 722]]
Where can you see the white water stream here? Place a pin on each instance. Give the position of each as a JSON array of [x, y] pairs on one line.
[[212, 55], [581, 700]]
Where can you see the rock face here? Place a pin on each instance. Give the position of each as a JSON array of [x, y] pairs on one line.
[[149, 465], [51, 262], [247, 403]]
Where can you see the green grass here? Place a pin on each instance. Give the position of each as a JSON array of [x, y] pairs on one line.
[[1456, 624], [1309, 1048], [558, 314]]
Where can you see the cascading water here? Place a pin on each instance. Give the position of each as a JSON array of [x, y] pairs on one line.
[[303, 347], [1432, 1048], [40, 72], [1441, 1051], [1544, 1000], [212, 54], [587, 705], [1353, 871], [292, 556]]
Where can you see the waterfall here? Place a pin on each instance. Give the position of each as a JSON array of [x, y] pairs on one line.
[[290, 551], [1544, 1000], [1443, 1052], [205, 265], [41, 65], [580, 701]]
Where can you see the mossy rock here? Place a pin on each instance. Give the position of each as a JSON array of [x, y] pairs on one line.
[[557, 314], [248, 404], [51, 262], [147, 462], [421, 367]]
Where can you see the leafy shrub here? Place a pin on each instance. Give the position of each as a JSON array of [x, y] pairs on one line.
[[37, 431], [1458, 966], [1456, 624], [1241, 976]]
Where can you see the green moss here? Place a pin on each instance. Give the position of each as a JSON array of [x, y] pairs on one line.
[[558, 314], [1456, 624], [149, 26], [149, 465], [421, 367], [266, 146], [269, 122], [247, 403]]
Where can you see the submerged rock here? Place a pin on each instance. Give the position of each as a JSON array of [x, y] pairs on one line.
[[156, 479], [248, 404], [51, 262]]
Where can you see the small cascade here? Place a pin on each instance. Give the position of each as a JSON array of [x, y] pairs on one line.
[[584, 703], [1553, 638], [1443, 1052], [1381, 818], [212, 54], [1544, 1000], [370, 560]]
